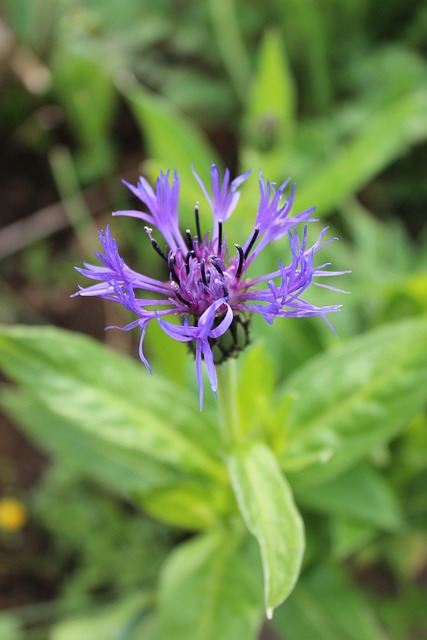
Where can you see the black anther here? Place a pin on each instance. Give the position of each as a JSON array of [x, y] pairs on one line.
[[214, 260], [203, 272], [158, 250], [196, 215], [252, 242], [189, 255], [219, 236], [241, 260], [178, 295], [189, 239]]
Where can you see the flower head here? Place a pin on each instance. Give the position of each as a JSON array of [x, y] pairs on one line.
[[208, 289]]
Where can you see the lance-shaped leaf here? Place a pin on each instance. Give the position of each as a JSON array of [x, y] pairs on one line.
[[169, 496], [111, 397], [267, 506], [354, 398], [87, 455], [211, 588]]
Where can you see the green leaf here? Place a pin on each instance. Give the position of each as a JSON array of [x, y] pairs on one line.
[[112, 622], [121, 469], [191, 505], [349, 536], [210, 588], [173, 140], [349, 400], [112, 397], [10, 627], [361, 494], [268, 509], [86, 92], [326, 606], [161, 490], [254, 389], [306, 22], [271, 106], [385, 136], [230, 43]]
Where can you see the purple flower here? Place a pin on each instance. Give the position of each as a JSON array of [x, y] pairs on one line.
[[208, 289]]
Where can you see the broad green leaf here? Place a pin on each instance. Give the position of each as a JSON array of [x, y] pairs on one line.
[[210, 588], [116, 621], [121, 469], [350, 399], [326, 606], [191, 505], [386, 135], [360, 493], [111, 397], [160, 489], [173, 140], [266, 503]]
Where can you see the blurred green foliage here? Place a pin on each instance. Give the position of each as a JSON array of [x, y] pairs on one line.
[[334, 94]]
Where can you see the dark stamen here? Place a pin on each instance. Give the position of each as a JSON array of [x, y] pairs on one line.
[[189, 239], [214, 260], [158, 250], [196, 215], [178, 295], [219, 236], [171, 265], [203, 272], [189, 255], [252, 242], [224, 290], [241, 259]]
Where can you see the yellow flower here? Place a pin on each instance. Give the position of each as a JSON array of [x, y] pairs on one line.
[[13, 515]]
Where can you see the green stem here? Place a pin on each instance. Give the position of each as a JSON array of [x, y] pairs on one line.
[[229, 414]]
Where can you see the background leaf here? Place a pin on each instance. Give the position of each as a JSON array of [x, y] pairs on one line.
[[360, 493], [173, 141], [104, 405], [211, 588], [121, 469], [385, 136], [112, 622], [269, 119], [85, 90], [350, 399], [109, 395], [267, 507], [326, 606]]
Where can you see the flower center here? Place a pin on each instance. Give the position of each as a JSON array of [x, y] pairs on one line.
[[234, 340]]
